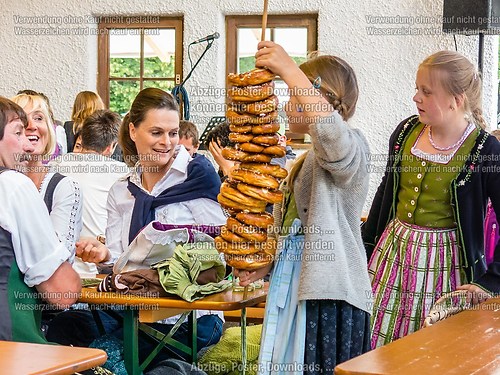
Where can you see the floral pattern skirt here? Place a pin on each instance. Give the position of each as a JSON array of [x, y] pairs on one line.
[[336, 332]]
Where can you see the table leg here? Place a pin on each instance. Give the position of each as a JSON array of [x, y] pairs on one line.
[[131, 341], [165, 339], [98, 321], [243, 339], [193, 340]]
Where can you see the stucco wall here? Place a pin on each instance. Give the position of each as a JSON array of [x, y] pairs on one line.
[[62, 65]]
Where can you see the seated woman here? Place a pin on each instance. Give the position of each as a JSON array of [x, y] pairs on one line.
[[167, 185], [33, 262], [61, 194]]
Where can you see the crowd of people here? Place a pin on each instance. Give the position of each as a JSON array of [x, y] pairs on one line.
[[337, 288]]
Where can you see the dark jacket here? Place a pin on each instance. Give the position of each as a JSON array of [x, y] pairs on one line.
[[478, 181], [70, 136]]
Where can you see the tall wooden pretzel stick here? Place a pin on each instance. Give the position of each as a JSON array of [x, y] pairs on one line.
[[264, 21]]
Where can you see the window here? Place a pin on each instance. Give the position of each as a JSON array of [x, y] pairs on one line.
[[134, 55], [296, 33]]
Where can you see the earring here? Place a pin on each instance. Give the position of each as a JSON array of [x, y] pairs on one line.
[[452, 108], [317, 82]]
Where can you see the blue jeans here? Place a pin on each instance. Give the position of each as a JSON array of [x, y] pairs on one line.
[[78, 327]]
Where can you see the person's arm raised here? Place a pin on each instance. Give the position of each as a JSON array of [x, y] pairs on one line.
[[311, 102], [224, 164]]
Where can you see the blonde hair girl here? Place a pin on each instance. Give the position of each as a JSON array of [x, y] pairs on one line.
[[425, 232]]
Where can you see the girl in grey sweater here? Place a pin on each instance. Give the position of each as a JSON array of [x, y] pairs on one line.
[[318, 306]]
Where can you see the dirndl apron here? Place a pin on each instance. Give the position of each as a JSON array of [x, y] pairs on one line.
[[411, 267]]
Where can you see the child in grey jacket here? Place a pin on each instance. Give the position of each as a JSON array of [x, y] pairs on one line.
[[318, 306]]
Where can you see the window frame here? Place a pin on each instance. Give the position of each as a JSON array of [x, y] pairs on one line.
[[307, 20], [103, 77]]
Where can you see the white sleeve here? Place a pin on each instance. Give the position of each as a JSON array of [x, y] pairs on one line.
[[24, 215], [66, 214], [114, 226], [61, 139]]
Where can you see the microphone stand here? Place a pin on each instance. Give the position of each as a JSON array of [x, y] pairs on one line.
[[180, 93], [480, 54]]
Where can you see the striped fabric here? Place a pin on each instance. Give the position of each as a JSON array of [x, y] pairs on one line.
[[410, 269]]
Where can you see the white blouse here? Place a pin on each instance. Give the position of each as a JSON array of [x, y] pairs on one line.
[[66, 214], [24, 215], [201, 211]]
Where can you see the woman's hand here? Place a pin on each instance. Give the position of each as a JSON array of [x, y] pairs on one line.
[[282, 140], [474, 293], [89, 249], [224, 164], [247, 277]]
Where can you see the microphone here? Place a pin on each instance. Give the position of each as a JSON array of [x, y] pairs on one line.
[[213, 36]]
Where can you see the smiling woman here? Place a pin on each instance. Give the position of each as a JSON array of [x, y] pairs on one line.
[[61, 194], [166, 185], [40, 130], [149, 139], [156, 140]]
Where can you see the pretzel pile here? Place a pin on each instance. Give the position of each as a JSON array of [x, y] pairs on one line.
[[252, 116]]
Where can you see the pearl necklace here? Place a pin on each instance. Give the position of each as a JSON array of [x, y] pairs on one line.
[[454, 145]]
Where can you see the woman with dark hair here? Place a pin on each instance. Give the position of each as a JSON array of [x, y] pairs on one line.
[[166, 185]]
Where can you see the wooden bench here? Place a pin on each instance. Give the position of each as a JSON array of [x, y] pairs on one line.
[[27, 358], [465, 343], [255, 314]]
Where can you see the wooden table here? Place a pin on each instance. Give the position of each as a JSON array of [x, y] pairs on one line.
[[137, 310], [24, 358], [466, 343]]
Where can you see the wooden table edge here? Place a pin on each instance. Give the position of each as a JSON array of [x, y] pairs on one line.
[[101, 298]]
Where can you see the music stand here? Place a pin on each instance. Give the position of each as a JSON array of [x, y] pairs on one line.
[[214, 121]]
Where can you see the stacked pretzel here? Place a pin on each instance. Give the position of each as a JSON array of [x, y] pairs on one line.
[[252, 115]]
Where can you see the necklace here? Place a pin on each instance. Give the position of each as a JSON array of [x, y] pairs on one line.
[[454, 145], [41, 179]]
